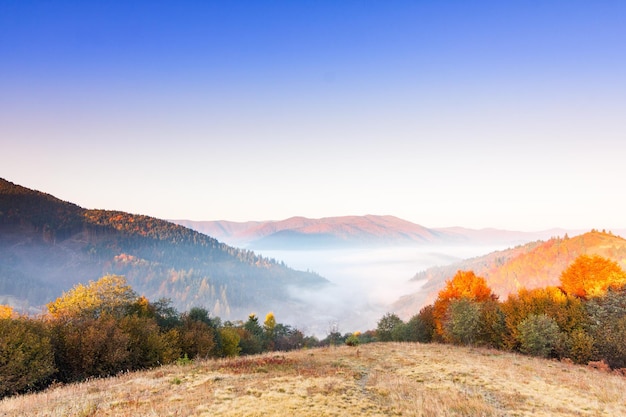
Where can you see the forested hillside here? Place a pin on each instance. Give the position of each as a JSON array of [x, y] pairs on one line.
[[48, 245], [534, 265]]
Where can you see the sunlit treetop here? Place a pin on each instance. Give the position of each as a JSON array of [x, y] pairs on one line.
[[591, 276], [6, 312], [109, 295]]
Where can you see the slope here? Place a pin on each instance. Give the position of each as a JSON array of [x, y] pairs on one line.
[[534, 265], [379, 379], [48, 245]]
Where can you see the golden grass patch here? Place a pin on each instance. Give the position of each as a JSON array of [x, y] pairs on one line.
[[381, 380]]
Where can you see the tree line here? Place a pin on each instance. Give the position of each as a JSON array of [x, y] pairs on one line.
[[104, 328], [582, 320]]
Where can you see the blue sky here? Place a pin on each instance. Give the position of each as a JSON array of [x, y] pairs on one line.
[[478, 114]]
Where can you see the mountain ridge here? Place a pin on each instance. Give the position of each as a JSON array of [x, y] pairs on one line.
[[354, 231], [48, 245]]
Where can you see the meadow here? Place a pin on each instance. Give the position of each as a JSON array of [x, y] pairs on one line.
[[379, 379]]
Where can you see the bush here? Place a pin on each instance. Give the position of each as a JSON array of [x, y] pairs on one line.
[[421, 327], [580, 347], [538, 335], [608, 317], [26, 356], [463, 322], [352, 340], [89, 347]]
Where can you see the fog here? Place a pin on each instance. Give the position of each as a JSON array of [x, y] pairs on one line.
[[364, 281]]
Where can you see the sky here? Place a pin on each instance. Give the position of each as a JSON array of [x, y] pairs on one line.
[[445, 113]]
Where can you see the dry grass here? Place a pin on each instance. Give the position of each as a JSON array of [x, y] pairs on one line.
[[373, 380]]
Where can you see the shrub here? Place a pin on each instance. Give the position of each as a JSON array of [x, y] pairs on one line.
[[26, 355], [580, 346], [352, 340], [421, 327], [463, 322], [608, 317], [538, 335]]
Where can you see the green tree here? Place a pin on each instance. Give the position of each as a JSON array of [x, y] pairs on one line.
[[607, 317], [388, 326], [26, 355], [539, 335], [421, 327], [462, 324], [230, 341]]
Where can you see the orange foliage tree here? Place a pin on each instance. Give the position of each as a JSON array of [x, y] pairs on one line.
[[590, 276], [464, 285]]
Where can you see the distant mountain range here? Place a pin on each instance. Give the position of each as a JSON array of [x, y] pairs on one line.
[[48, 245], [301, 233], [533, 265]]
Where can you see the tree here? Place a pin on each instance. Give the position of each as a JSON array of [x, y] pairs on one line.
[[109, 295], [26, 355], [567, 310], [465, 284], [387, 326], [462, 324], [421, 327], [230, 341], [607, 317], [6, 312], [92, 346], [197, 336], [538, 334], [590, 276]]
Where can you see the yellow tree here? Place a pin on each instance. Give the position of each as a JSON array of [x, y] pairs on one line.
[[590, 276], [6, 312], [110, 294]]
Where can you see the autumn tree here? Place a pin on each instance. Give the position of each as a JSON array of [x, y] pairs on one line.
[[465, 284], [109, 295], [6, 312], [590, 276], [26, 355], [567, 311], [230, 341]]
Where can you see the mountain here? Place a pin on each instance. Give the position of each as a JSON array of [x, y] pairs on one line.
[[533, 265], [48, 245], [353, 231]]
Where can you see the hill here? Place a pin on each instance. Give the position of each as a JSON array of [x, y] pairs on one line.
[[48, 245], [533, 265], [373, 380], [353, 231]]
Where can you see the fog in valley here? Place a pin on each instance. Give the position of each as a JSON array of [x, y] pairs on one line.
[[365, 281]]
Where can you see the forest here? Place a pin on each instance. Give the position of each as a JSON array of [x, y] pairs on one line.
[[48, 245], [105, 328]]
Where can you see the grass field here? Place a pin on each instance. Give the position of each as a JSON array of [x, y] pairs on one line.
[[392, 379]]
